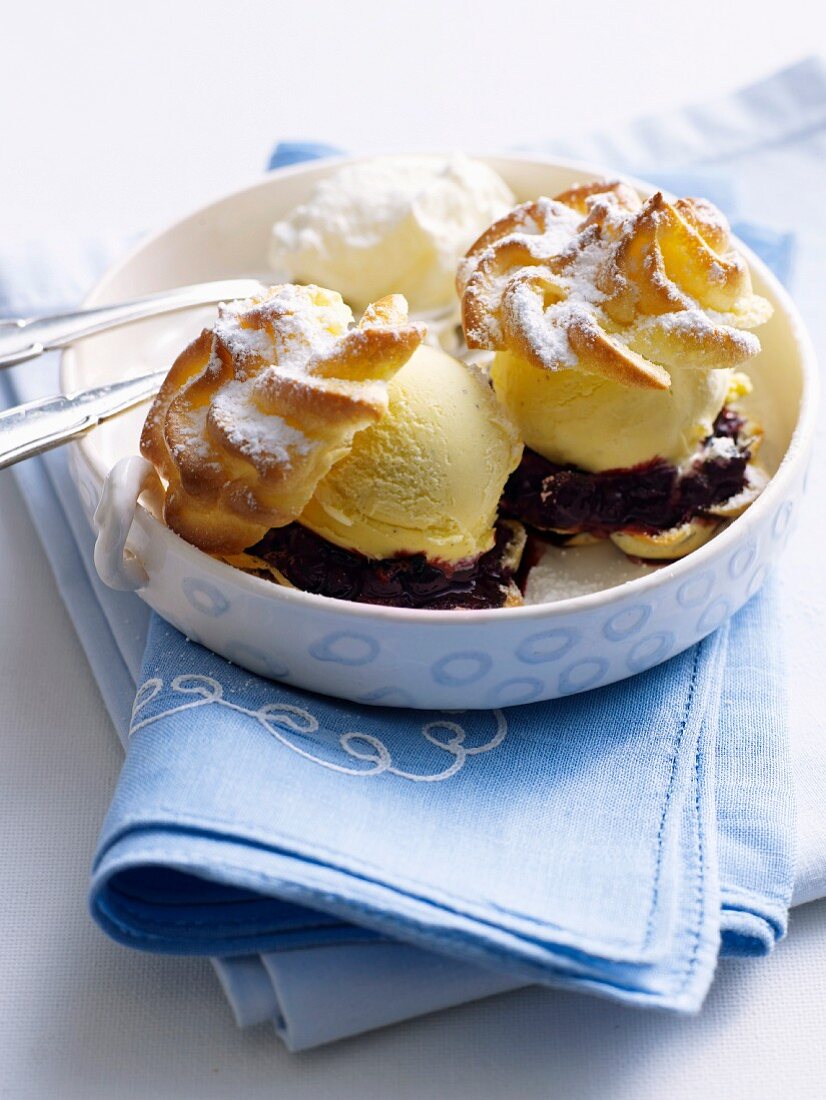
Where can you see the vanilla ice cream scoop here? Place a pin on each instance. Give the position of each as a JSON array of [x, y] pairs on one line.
[[427, 477], [390, 225], [570, 417]]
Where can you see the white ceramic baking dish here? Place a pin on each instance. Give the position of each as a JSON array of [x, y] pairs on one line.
[[594, 617]]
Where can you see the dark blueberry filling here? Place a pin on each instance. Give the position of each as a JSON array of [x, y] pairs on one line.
[[651, 497], [313, 564]]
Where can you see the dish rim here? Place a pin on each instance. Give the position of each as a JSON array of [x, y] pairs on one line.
[[799, 443]]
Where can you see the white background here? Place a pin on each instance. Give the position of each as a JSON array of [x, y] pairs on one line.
[[119, 118], [126, 115]]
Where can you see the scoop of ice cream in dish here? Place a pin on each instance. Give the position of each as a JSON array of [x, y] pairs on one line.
[[391, 225]]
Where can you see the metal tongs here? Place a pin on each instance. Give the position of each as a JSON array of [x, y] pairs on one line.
[[38, 426]]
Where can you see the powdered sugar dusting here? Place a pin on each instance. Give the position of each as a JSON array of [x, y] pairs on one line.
[[700, 325], [547, 269], [287, 332], [545, 330], [265, 439], [283, 328], [243, 342], [192, 437]]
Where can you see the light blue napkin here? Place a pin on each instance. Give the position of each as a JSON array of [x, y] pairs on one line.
[[574, 843], [317, 994]]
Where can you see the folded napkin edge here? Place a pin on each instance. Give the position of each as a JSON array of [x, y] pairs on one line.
[[419, 921]]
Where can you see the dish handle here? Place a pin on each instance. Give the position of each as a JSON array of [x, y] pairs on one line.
[[117, 565]]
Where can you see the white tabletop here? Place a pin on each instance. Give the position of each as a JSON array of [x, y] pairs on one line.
[[121, 122]]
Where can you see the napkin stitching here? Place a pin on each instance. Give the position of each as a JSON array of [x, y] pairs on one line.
[[270, 715], [699, 874], [655, 894]]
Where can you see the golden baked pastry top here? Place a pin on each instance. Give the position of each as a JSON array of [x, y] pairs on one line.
[[257, 409], [598, 280]]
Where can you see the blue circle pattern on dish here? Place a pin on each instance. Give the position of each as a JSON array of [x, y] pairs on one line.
[[714, 615], [650, 651], [345, 647], [741, 561], [582, 675], [205, 597], [477, 664], [467, 667], [549, 645], [515, 692], [695, 591], [627, 622]]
